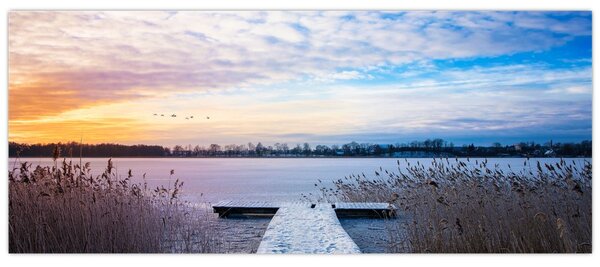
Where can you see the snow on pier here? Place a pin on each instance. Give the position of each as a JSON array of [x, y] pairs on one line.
[[313, 229], [302, 227]]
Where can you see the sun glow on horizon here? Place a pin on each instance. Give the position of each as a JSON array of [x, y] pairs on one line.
[[321, 77]]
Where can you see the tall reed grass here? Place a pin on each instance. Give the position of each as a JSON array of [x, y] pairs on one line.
[[455, 206], [66, 209]]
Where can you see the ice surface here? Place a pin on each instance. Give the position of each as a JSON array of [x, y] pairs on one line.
[[302, 229], [254, 179]]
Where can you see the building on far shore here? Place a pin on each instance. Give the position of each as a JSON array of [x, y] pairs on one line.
[[182, 153]]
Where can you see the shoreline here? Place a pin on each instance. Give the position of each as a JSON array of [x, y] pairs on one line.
[[324, 157]]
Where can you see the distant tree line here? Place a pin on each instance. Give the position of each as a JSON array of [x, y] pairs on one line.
[[74, 149], [427, 148]]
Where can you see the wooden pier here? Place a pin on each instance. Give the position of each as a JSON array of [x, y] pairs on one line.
[[302, 227], [306, 229], [364, 209], [341, 209], [245, 208]]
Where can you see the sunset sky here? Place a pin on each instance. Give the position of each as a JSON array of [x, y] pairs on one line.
[[317, 77]]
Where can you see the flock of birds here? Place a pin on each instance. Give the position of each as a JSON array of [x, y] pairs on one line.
[[175, 115]]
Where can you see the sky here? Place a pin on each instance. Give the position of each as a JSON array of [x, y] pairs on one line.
[[322, 77]]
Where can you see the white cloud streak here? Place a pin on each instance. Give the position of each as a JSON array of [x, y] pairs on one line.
[[215, 50]]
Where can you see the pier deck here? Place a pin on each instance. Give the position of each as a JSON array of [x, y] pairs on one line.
[[302, 227], [245, 208], [341, 209], [311, 229], [364, 209]]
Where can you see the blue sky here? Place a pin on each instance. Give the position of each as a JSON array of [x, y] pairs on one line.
[[318, 77]]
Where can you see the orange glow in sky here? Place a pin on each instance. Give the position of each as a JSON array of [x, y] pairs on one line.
[[319, 77]]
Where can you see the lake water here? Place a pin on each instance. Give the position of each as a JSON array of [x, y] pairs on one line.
[[274, 179]]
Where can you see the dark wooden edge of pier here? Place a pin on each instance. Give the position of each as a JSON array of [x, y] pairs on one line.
[[225, 211], [365, 213], [265, 209]]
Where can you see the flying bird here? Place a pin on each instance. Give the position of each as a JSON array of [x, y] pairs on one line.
[[191, 117], [162, 115], [173, 115], [207, 117], [155, 114], [187, 118]]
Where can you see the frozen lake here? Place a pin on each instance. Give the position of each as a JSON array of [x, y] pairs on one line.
[[273, 179]]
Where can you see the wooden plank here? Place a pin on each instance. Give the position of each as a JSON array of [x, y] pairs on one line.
[[365, 209], [302, 229], [222, 203], [361, 205], [246, 204]]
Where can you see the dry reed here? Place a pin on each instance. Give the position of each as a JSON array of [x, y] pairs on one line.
[[455, 206], [65, 209]]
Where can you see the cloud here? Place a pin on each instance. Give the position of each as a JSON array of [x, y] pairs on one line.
[[342, 76], [216, 50], [296, 72], [576, 90]]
